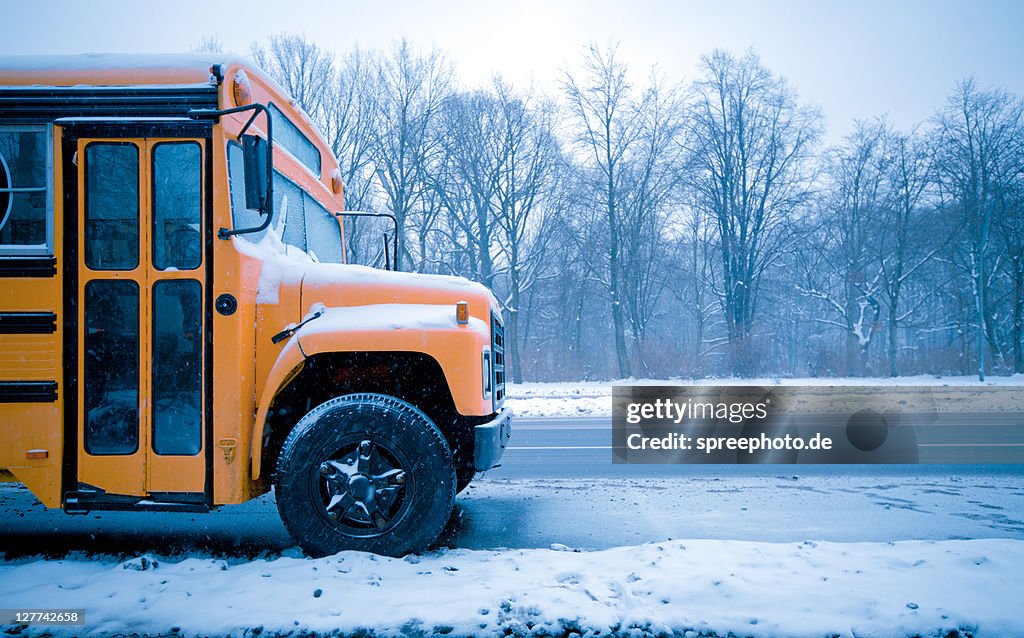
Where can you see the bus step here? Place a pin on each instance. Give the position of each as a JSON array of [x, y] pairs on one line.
[[85, 501]]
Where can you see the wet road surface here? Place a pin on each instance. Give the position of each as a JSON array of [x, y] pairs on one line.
[[557, 484]]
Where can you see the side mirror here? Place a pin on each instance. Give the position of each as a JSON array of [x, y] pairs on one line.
[[390, 252], [257, 161], [255, 152]]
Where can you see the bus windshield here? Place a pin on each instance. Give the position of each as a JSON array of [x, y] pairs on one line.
[[304, 223]]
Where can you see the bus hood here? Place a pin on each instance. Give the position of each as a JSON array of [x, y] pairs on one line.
[[340, 285], [284, 271]]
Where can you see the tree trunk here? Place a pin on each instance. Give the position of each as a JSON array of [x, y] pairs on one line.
[[618, 325], [1018, 315], [893, 327], [512, 358]]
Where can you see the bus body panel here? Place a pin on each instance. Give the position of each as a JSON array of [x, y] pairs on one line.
[[31, 433]]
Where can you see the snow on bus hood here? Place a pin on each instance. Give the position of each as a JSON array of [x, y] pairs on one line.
[[349, 285], [384, 317], [337, 285]]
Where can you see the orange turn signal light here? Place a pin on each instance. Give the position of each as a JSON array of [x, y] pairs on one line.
[[37, 454], [462, 312], [337, 183], [241, 89]]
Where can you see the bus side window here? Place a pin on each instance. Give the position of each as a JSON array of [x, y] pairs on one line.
[[111, 206], [177, 205], [26, 213]]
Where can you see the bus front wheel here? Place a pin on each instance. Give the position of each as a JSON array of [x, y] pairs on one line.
[[365, 472]]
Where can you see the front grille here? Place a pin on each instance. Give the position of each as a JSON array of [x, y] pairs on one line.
[[498, 350]]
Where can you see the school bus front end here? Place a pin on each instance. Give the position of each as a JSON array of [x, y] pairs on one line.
[[178, 330]]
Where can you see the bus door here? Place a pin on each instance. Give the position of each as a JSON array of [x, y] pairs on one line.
[[142, 323]]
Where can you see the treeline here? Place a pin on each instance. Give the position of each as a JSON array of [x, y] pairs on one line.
[[658, 229]]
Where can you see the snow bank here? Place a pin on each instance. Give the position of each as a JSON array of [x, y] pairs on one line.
[[594, 398], [702, 586]]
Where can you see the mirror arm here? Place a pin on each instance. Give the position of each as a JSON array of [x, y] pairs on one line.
[[394, 222], [268, 206]]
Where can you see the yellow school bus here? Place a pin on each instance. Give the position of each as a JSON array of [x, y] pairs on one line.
[[179, 329]]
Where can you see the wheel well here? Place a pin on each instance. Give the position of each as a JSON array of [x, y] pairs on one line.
[[411, 376]]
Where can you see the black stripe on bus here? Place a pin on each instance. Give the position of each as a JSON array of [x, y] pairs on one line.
[[28, 266], [48, 103], [28, 391], [28, 323]]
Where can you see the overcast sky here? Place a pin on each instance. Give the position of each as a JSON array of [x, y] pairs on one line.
[[856, 59]]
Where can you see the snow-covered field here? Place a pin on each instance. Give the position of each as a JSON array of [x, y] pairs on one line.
[[593, 398]]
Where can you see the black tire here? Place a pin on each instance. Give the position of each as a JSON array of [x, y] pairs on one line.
[[365, 472]]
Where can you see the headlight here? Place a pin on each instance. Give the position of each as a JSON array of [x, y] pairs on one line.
[[488, 372]]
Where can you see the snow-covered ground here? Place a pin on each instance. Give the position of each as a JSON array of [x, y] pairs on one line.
[[724, 575], [678, 587], [594, 398], [962, 572]]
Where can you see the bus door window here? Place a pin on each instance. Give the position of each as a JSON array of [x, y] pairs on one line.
[[177, 302], [111, 340], [177, 206], [111, 367], [177, 366], [112, 206]]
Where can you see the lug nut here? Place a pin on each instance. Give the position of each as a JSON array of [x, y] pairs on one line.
[[325, 468], [400, 478]]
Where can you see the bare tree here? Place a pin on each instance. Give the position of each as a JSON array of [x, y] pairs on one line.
[[350, 122], [750, 144], [466, 175], [848, 278], [650, 183], [601, 102], [209, 44], [1010, 229], [526, 199], [302, 69], [492, 178], [410, 91], [905, 245], [704, 223], [692, 289], [979, 138]]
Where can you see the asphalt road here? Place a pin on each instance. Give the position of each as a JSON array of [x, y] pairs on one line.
[[557, 484], [581, 447]]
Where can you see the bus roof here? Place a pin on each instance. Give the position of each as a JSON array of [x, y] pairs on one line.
[[112, 69], [38, 87]]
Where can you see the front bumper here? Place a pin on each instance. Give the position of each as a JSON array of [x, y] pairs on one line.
[[490, 439]]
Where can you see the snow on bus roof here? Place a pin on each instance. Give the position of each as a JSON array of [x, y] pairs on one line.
[[113, 68]]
